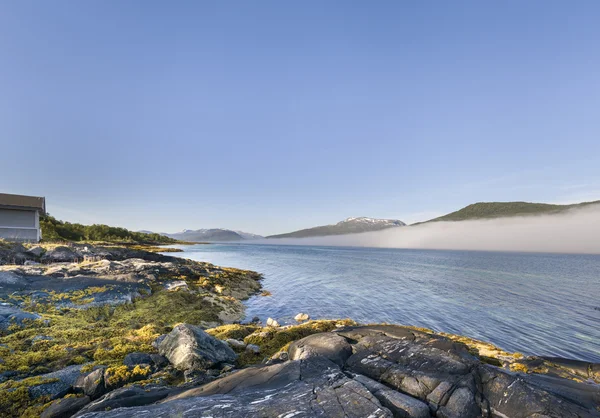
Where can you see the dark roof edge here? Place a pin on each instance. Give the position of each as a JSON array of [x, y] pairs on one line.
[[14, 201]]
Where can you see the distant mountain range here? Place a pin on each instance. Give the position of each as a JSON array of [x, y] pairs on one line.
[[481, 210], [489, 210], [347, 226], [215, 234]]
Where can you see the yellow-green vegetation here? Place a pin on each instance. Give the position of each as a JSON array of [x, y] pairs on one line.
[[118, 375], [270, 339], [15, 399]]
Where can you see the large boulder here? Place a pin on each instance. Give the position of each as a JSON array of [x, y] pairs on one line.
[[328, 345], [92, 384], [188, 347]]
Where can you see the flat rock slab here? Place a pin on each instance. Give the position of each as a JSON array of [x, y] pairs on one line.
[[309, 388], [331, 346]]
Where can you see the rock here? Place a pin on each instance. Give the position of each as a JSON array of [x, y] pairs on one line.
[[159, 361], [61, 255], [177, 285], [328, 345], [253, 348], [255, 320], [158, 340], [301, 317], [36, 251], [65, 408], [92, 384], [126, 398], [272, 323], [30, 263], [308, 388], [41, 338], [133, 359], [400, 404], [188, 347], [19, 319], [235, 343], [59, 388]]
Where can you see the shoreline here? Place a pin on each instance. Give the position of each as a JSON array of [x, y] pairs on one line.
[[102, 314]]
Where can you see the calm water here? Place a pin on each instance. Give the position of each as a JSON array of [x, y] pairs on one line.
[[544, 304]]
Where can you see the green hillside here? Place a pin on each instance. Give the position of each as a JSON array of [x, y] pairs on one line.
[[488, 210], [55, 230]]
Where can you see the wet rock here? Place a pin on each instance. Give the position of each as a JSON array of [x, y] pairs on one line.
[[272, 323], [65, 408], [255, 320], [328, 345], [188, 347], [159, 361], [92, 384], [301, 317], [18, 319]]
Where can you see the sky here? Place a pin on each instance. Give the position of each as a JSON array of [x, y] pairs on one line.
[[273, 116]]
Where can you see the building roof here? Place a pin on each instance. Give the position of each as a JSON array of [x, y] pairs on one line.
[[15, 201]]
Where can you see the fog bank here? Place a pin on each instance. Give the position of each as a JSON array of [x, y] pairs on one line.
[[575, 231]]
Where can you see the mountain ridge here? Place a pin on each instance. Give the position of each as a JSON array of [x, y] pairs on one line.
[[492, 210], [353, 225]]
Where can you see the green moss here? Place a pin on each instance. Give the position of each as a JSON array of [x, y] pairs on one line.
[[235, 331], [272, 340]]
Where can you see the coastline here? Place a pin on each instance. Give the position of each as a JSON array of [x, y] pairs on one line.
[[105, 308]]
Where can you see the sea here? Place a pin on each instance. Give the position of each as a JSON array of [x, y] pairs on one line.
[[536, 304]]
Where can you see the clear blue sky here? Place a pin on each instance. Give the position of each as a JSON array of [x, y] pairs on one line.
[[272, 116]]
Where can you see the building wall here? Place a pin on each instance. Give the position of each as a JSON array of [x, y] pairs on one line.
[[19, 225]]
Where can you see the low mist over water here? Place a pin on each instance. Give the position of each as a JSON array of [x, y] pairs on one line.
[[575, 231], [540, 304]]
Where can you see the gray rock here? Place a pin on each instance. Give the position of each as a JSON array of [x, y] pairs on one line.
[[158, 340], [36, 251], [235, 343], [41, 338], [400, 404], [133, 359], [313, 387], [159, 361], [92, 384], [65, 408], [60, 255], [19, 319], [253, 348], [126, 398], [59, 388], [329, 345], [188, 347]]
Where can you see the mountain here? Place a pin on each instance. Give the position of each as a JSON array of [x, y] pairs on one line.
[[488, 210], [215, 234], [347, 226]]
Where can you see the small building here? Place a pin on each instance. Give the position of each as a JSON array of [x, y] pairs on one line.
[[20, 217]]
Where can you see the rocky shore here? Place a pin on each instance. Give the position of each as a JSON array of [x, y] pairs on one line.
[[109, 331]]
